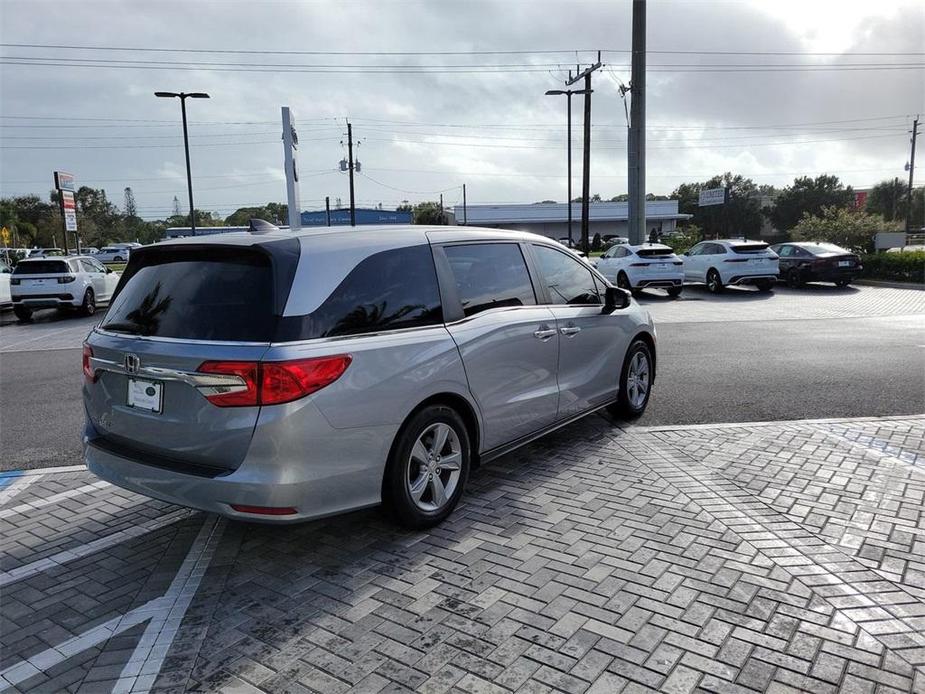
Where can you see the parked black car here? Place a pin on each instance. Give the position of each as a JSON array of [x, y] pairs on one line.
[[805, 261]]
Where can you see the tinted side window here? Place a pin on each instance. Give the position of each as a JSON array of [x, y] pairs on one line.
[[490, 275], [568, 280], [389, 290], [87, 265]]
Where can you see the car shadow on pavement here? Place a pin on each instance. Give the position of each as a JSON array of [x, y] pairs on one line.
[[701, 293], [42, 315]]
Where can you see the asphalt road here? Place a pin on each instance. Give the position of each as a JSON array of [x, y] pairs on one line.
[[742, 368]]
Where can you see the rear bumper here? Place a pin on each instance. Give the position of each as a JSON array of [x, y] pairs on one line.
[[46, 300], [834, 275], [661, 279], [751, 279], [341, 470]]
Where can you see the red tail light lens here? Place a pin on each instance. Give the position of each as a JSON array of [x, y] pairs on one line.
[[276, 382], [285, 381], [89, 373]]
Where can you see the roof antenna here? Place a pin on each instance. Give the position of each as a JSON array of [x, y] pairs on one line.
[[261, 226]]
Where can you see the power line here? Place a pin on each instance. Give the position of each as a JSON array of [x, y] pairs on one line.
[[569, 51]]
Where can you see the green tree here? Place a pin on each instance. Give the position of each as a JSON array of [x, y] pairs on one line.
[[428, 213], [844, 227], [808, 196], [740, 215]]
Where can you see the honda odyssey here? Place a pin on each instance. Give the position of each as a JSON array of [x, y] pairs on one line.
[[283, 376]]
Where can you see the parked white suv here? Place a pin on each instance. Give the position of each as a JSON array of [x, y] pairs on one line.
[[731, 261], [72, 282], [113, 254], [638, 267]]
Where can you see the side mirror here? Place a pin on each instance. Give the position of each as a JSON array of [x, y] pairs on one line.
[[615, 298], [109, 271]]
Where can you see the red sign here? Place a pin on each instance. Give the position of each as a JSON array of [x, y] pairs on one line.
[[67, 200], [860, 200]]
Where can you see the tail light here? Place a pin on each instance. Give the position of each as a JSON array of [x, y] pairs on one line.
[[89, 372], [67, 279], [639, 264], [275, 382], [736, 260]]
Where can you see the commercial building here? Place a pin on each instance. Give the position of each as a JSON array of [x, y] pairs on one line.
[[364, 215], [551, 219]]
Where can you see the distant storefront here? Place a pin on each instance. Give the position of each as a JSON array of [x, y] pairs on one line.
[[364, 215]]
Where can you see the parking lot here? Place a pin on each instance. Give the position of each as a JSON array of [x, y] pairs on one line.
[[695, 550]]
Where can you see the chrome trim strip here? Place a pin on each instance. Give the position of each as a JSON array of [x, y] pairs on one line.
[[211, 384]]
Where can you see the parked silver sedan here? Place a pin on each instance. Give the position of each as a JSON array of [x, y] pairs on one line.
[[279, 377]]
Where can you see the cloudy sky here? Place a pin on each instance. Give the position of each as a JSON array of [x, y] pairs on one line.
[[446, 92]]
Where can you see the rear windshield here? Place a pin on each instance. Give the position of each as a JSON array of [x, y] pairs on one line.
[[749, 247], [817, 248], [649, 252], [41, 267], [216, 294]]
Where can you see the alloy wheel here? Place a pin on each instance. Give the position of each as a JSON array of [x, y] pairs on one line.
[[637, 380], [434, 467]]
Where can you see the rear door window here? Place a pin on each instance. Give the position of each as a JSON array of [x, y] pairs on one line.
[[221, 294], [389, 290], [568, 279], [490, 275]]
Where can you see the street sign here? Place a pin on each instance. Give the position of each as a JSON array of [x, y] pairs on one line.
[[64, 181], [69, 210], [712, 196]]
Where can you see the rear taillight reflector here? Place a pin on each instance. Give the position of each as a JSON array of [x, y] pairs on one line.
[[276, 382], [639, 264], [265, 510], [89, 372]]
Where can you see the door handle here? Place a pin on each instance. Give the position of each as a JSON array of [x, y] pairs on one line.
[[570, 330], [543, 333]]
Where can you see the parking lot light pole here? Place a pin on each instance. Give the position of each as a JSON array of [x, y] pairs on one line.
[[568, 93], [183, 96]]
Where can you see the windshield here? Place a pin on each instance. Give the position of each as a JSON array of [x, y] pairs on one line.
[[749, 247], [820, 248]]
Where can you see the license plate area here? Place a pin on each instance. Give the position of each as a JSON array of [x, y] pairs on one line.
[[145, 395], [845, 263]]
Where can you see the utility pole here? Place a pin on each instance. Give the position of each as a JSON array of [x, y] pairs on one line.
[[465, 216], [915, 134], [636, 156], [586, 159], [353, 212], [327, 208], [442, 218]]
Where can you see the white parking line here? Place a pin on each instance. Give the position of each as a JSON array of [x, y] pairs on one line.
[[15, 487], [56, 655], [53, 499], [146, 661], [166, 614], [55, 560]]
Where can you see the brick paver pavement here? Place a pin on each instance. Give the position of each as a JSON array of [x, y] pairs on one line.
[[781, 557]]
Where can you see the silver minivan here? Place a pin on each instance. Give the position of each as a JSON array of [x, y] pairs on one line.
[[285, 376]]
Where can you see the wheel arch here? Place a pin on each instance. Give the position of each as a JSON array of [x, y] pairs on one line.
[[458, 403]]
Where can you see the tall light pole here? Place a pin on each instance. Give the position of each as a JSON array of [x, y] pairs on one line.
[[189, 177], [568, 93]]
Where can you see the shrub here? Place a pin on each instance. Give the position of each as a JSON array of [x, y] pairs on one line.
[[846, 228], [683, 238], [899, 267]]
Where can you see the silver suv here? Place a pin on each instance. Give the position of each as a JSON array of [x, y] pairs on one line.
[[281, 376]]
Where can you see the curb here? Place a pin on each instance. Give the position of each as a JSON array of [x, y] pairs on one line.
[[891, 285]]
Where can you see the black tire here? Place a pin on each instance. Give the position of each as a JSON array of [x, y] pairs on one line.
[[842, 283], [626, 406], [623, 282], [23, 314], [88, 307], [674, 292], [794, 280], [117, 259], [765, 285], [401, 469], [714, 281]]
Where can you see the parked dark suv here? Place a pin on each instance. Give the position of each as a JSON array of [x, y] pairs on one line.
[[803, 261], [284, 376]]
